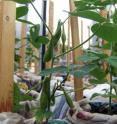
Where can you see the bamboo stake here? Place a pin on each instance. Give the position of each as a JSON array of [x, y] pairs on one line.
[[104, 14], [82, 31], [68, 55], [7, 45], [51, 24], [78, 84]]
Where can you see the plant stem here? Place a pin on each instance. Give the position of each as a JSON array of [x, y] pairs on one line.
[[72, 49], [51, 36], [70, 92], [110, 94], [40, 17], [66, 19]]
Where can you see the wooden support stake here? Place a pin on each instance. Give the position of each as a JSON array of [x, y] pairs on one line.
[[78, 84], [22, 49], [7, 45], [82, 31], [51, 24], [51, 16], [104, 14], [68, 47]]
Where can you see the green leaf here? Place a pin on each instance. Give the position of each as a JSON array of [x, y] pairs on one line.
[[36, 44], [88, 58], [39, 40], [107, 46], [85, 70], [115, 17], [63, 37], [49, 53], [34, 32], [16, 100], [103, 95], [80, 3], [26, 97], [87, 5], [95, 95], [43, 39], [107, 31], [108, 95], [34, 38], [105, 2], [60, 69], [57, 35], [99, 54], [112, 60], [21, 1], [89, 15], [43, 100], [53, 42], [21, 11], [40, 115], [98, 73], [96, 81], [46, 86], [68, 98], [25, 21]]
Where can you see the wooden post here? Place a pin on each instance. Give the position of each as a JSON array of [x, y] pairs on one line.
[[89, 33], [68, 48], [51, 24], [22, 49], [78, 84], [82, 31], [7, 45], [104, 14], [51, 16]]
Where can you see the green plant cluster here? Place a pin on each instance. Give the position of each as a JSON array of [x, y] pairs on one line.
[[97, 63], [105, 28]]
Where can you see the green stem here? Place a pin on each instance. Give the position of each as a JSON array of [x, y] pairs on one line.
[[40, 17], [71, 91], [66, 19], [59, 85], [51, 36], [72, 49], [110, 94]]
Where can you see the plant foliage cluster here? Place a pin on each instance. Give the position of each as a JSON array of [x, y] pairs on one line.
[[94, 60]]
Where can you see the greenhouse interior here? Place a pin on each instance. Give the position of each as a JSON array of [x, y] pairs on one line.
[[58, 62]]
